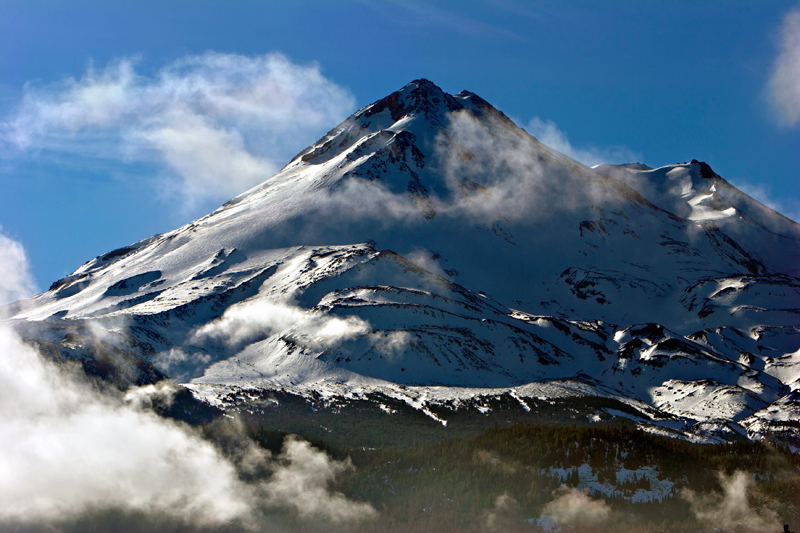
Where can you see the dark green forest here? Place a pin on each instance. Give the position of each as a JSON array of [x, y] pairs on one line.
[[496, 471]]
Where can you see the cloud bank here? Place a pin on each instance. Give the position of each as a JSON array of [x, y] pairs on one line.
[[574, 507], [784, 84], [219, 122], [69, 452], [491, 173]]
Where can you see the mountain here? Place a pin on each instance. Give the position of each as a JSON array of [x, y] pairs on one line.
[[429, 251]]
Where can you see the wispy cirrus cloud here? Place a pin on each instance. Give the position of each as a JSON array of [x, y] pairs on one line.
[[220, 123], [784, 84]]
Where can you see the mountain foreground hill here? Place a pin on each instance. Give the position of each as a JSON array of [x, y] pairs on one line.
[[428, 254]]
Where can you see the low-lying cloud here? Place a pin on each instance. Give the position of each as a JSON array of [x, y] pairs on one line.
[[732, 508], [784, 83], [67, 450], [70, 451], [486, 172], [258, 319], [301, 482], [501, 516], [576, 508], [220, 123], [787, 206]]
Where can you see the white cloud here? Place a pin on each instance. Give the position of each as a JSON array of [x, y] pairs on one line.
[[573, 507], [732, 508], [16, 281], [69, 452], [257, 319], [548, 133], [302, 481], [495, 174], [390, 343], [66, 449], [784, 84], [210, 159], [425, 15], [501, 516], [220, 122], [500, 176]]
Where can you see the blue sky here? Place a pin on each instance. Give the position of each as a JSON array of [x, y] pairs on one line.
[[118, 118]]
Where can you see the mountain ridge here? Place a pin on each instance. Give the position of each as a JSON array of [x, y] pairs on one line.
[[427, 241]]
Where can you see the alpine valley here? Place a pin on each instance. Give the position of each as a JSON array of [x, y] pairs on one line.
[[430, 266]]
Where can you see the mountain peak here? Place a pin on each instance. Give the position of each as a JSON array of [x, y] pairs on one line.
[[428, 241], [421, 96], [705, 170], [421, 102]]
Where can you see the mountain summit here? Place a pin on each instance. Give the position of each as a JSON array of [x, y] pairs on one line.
[[429, 249]]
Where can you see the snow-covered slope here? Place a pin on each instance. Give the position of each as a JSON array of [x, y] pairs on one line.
[[427, 241]]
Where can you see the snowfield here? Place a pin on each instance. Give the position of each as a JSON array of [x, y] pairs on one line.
[[430, 250]]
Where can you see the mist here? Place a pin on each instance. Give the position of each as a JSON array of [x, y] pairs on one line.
[[73, 454], [732, 508], [572, 507]]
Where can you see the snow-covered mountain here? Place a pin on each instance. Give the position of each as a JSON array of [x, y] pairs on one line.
[[430, 250]]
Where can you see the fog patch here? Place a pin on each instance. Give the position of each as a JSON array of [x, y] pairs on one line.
[[390, 343], [301, 482], [161, 393], [574, 507], [501, 516], [257, 319], [179, 364], [732, 508], [784, 83], [788, 207], [492, 460], [70, 453]]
